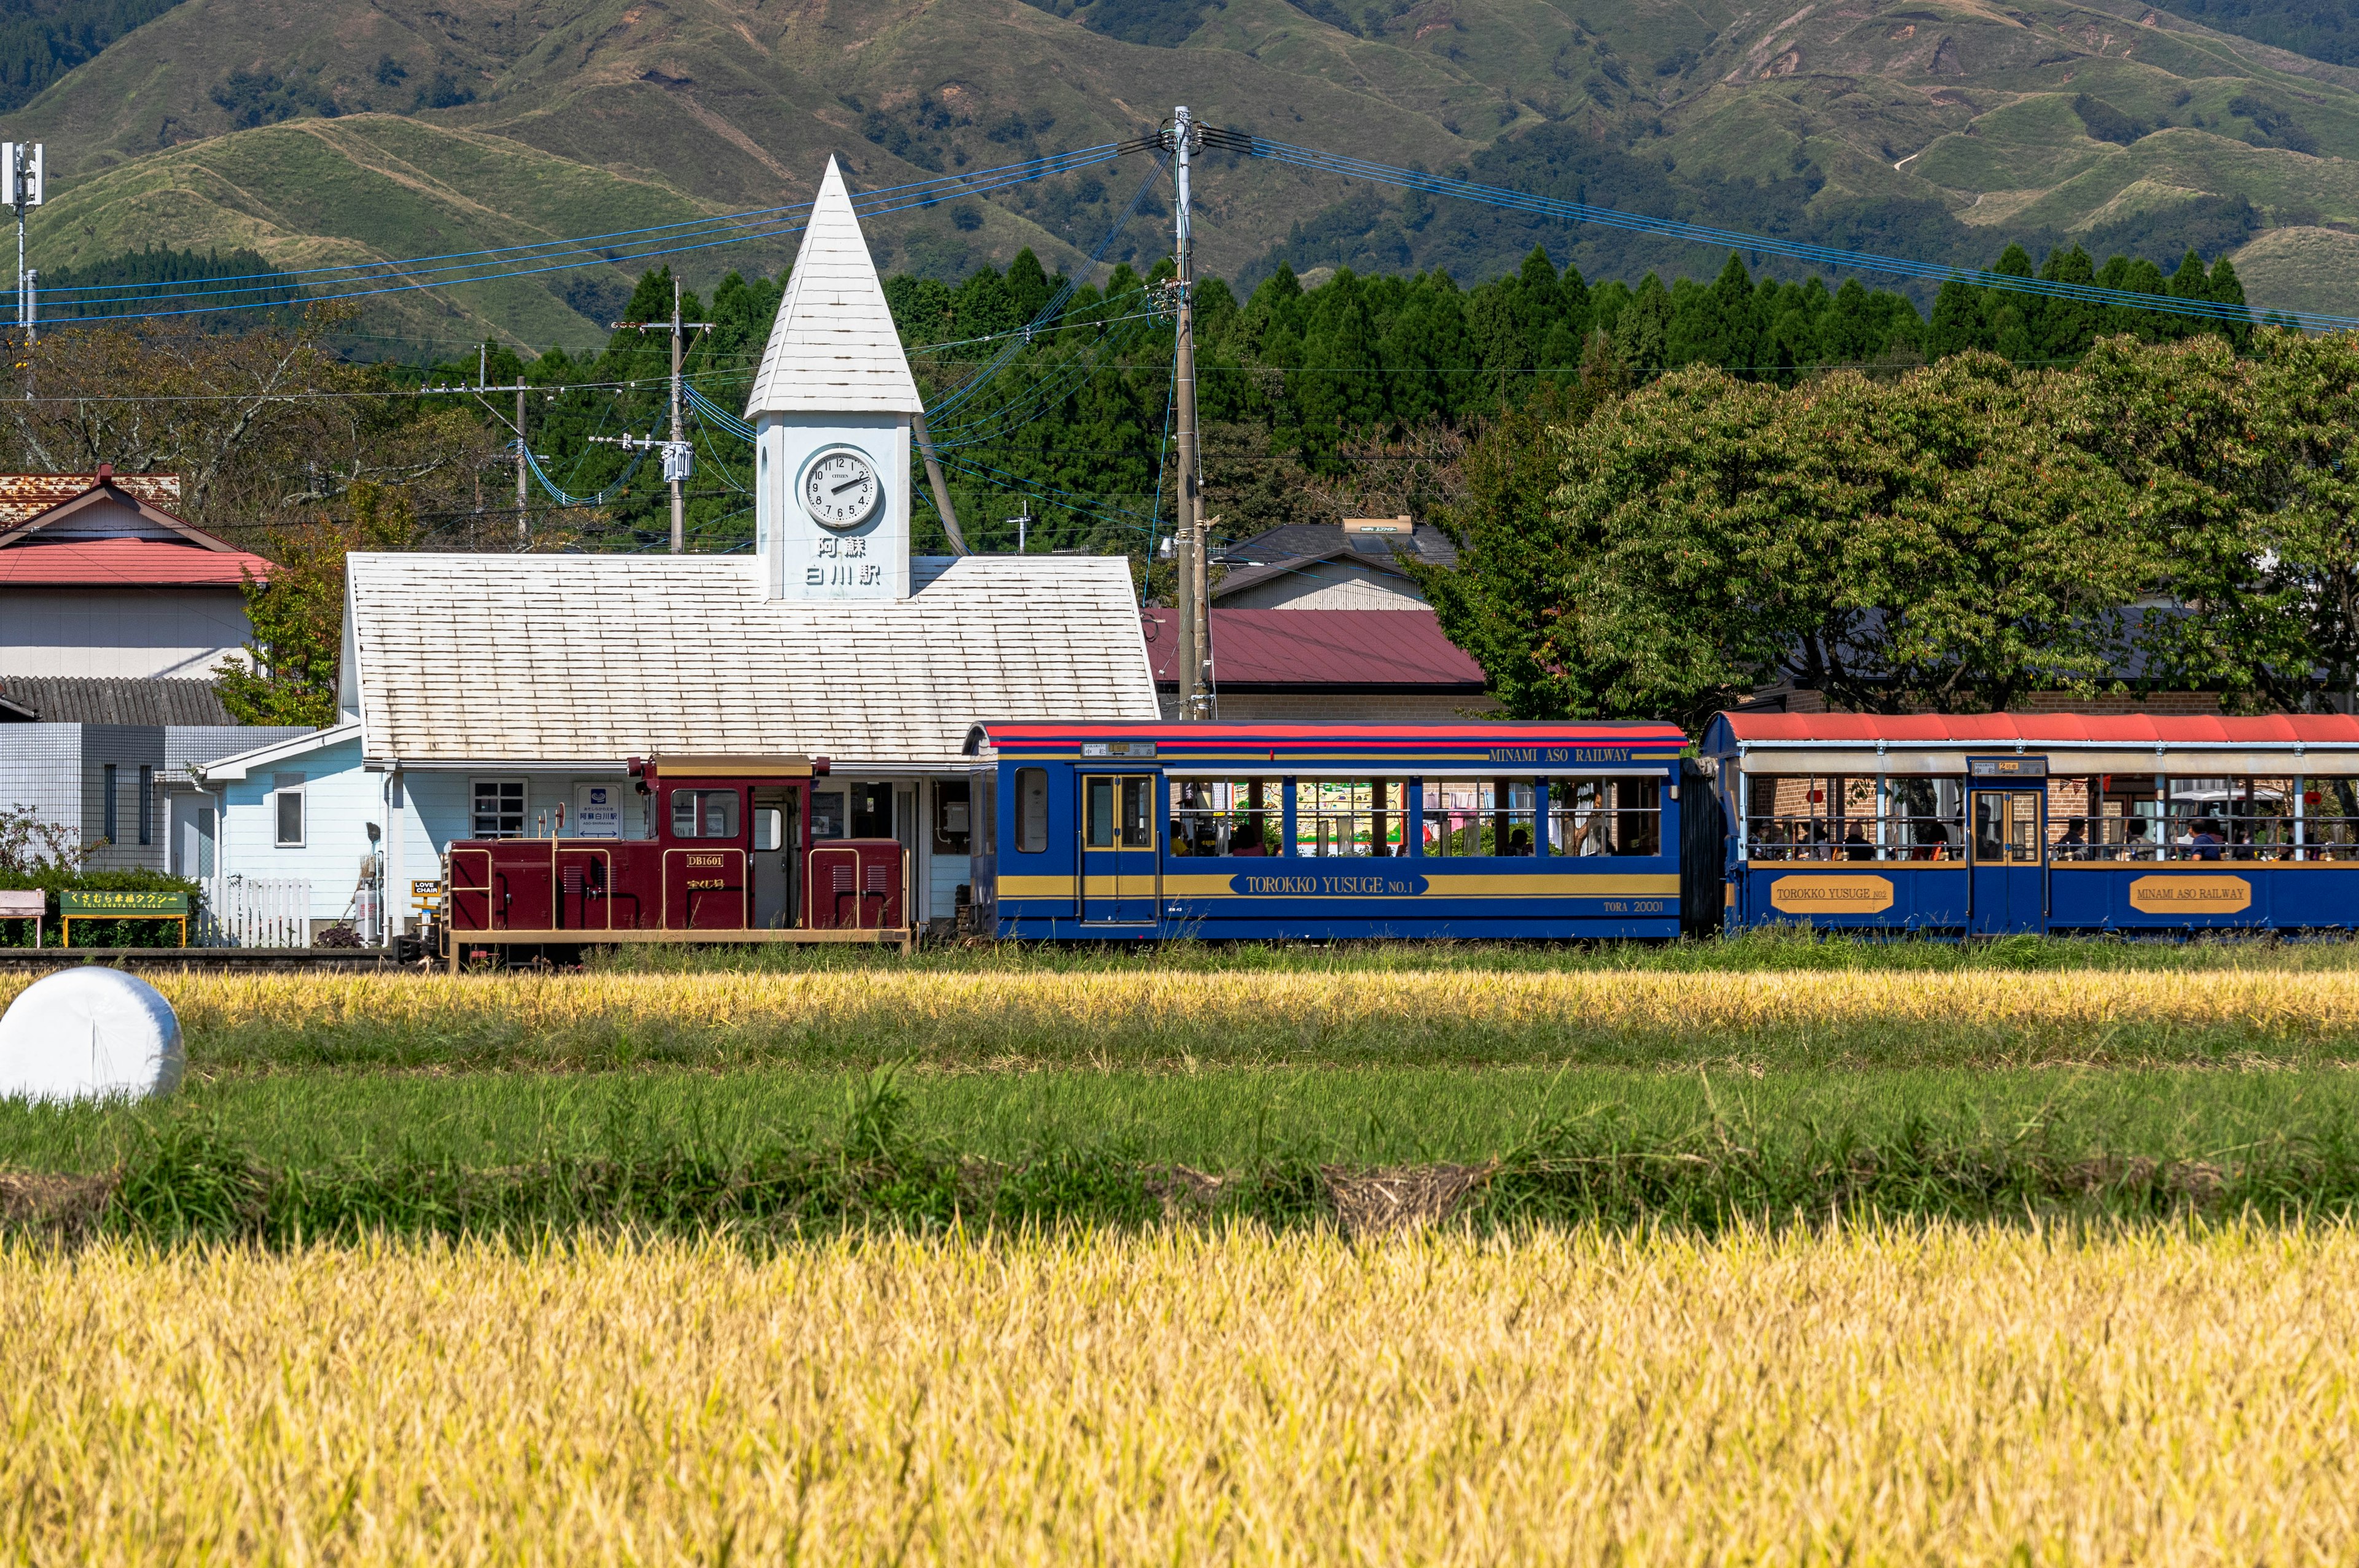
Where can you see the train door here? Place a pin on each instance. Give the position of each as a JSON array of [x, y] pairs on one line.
[[777, 850], [2010, 862], [1118, 868]]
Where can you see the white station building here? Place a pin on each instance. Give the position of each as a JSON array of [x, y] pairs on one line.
[[502, 696]]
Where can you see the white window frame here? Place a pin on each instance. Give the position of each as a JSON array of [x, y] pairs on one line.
[[524, 806], [278, 817]]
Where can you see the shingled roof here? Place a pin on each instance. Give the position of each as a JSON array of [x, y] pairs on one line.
[[597, 658]]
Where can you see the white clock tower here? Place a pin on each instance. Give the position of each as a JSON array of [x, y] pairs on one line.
[[831, 411]]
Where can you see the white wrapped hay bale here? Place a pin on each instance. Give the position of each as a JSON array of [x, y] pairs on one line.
[[90, 1034]]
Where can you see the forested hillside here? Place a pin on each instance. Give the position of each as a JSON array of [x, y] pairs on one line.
[[360, 132]]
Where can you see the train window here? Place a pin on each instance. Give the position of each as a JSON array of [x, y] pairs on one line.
[[704, 814], [1605, 816], [769, 827], [1818, 816], [1351, 816], [1031, 810], [1480, 816], [1228, 817], [827, 813]]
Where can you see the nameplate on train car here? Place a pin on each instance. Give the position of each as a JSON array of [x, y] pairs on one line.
[[696, 862], [1831, 895], [2190, 895], [1559, 756], [1328, 884]]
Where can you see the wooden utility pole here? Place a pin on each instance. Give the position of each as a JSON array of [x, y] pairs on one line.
[[1193, 656], [523, 526]]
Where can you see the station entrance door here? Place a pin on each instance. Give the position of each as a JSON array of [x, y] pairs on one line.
[[1118, 857], [2010, 861]]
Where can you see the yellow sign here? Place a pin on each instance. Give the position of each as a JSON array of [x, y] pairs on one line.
[[1831, 895], [2190, 895]]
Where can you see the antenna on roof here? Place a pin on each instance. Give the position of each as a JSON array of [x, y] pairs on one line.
[[1023, 520]]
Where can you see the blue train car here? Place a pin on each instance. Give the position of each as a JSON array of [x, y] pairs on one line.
[[1340, 830], [1989, 824]]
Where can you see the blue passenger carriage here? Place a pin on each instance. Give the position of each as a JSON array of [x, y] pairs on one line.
[[1989, 824], [1340, 830]]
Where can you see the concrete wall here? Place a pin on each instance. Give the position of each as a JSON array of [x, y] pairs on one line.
[[60, 770], [138, 633]]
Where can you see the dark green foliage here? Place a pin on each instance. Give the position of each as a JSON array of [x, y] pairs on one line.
[[40, 40], [2273, 126], [2322, 29], [244, 278], [253, 98], [2104, 122], [1159, 24]]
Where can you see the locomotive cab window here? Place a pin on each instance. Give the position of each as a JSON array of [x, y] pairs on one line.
[[704, 814]]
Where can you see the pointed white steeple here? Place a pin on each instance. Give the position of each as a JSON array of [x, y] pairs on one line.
[[834, 349]]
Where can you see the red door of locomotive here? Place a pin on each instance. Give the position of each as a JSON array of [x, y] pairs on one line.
[[704, 860]]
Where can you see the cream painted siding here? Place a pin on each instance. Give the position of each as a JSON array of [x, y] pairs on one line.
[[138, 633], [598, 658]]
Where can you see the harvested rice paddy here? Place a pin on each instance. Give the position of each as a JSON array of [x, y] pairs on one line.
[[1144, 1016], [2157, 1394]]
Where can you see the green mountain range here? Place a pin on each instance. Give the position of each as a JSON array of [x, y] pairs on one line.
[[338, 131]]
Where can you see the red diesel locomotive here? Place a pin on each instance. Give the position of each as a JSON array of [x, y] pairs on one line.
[[728, 857]]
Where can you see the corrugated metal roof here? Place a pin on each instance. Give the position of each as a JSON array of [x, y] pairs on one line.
[[1323, 647], [525, 659], [2048, 729], [24, 495], [126, 563], [833, 348], [64, 699]]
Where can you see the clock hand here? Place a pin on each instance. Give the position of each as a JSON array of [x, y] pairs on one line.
[[847, 484]]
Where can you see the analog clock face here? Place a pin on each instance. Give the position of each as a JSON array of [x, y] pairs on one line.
[[840, 489]]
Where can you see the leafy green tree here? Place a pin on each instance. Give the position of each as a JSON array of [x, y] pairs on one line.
[[289, 676]]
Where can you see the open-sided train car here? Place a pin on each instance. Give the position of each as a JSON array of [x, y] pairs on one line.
[[704, 848], [1142, 830], [1990, 823]]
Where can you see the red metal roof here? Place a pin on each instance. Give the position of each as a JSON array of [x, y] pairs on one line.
[[1321, 647], [2058, 728], [126, 563]]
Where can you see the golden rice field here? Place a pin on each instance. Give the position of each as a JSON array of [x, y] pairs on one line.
[[1950, 1394], [1016, 1011]]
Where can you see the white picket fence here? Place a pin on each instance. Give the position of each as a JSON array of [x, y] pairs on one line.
[[265, 912]]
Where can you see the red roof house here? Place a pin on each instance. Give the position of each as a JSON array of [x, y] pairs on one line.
[[100, 579], [1278, 665]]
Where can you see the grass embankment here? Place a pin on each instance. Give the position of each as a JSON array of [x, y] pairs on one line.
[[777, 1156], [1721, 1083], [1943, 1394]]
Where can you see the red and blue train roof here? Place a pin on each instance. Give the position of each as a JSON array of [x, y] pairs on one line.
[[1396, 748]]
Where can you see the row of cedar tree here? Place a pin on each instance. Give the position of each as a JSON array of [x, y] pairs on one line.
[[1670, 495], [1665, 495]]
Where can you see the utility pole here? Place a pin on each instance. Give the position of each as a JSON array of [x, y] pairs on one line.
[[1194, 653], [23, 183], [524, 528], [679, 462]]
